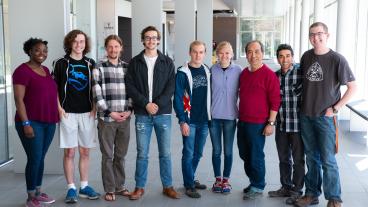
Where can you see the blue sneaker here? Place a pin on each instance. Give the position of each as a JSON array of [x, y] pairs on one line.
[[89, 193], [71, 196]]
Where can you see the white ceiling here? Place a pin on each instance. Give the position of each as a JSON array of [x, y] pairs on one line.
[[245, 7]]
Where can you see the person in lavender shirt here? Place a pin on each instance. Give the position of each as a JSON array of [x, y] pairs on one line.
[[224, 111], [35, 97]]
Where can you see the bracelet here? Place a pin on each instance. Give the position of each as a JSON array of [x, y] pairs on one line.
[[26, 123]]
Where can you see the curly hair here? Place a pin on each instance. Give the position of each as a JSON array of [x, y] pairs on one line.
[[31, 42], [69, 39], [150, 28]]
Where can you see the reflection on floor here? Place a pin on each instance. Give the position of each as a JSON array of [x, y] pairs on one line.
[[352, 159]]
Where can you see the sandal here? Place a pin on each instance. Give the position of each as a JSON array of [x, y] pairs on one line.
[[110, 196], [124, 192]]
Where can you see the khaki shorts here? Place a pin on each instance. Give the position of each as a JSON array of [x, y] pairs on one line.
[[78, 130]]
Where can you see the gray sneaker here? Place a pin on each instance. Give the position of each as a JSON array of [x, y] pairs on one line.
[[192, 193], [252, 194]]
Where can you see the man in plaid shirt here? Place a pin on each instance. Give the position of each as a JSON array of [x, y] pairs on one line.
[[288, 139], [114, 110]]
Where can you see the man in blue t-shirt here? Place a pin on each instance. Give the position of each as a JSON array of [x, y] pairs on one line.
[[192, 107]]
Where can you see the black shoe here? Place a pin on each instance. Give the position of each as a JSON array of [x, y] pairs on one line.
[[199, 186], [192, 193], [247, 189]]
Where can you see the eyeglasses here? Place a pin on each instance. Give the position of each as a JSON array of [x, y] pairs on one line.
[[148, 38], [318, 34]]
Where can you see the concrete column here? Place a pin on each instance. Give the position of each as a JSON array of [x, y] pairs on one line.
[[205, 27], [291, 22], [287, 26], [22, 17], [304, 27], [145, 13], [318, 11], [184, 29], [346, 30], [346, 37], [86, 21], [297, 17]]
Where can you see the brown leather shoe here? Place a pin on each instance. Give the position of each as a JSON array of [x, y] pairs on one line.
[[306, 201], [171, 193], [137, 194], [333, 203]]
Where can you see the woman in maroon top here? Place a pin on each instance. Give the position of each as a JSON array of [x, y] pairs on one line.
[[35, 97]]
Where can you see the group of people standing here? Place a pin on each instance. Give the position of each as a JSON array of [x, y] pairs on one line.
[[301, 101]]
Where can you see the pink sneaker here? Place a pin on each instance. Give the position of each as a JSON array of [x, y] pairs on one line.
[[44, 198], [33, 202]]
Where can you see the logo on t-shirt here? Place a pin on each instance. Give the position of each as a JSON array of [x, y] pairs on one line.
[[199, 81], [76, 78], [315, 72]]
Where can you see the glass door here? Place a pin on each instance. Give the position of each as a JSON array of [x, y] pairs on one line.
[[4, 146]]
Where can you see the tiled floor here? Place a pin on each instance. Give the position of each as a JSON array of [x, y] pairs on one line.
[[352, 159]]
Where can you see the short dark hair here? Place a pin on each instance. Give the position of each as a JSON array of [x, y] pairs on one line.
[[150, 28], [31, 42], [316, 24], [69, 39], [284, 47], [253, 41], [113, 37]]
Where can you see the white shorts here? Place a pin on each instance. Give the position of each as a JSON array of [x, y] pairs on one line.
[[78, 130]]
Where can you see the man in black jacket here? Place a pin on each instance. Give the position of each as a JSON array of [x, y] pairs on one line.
[[150, 82]]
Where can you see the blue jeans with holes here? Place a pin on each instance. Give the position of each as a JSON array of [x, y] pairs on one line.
[[318, 134], [143, 129], [192, 152], [222, 130], [251, 142], [36, 149]]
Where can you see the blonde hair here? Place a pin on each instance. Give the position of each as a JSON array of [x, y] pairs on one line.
[[222, 45], [195, 43]]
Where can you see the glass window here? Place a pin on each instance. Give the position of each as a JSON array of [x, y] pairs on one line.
[[267, 30]]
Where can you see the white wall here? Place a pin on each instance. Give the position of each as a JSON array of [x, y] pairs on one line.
[[108, 12], [26, 20]]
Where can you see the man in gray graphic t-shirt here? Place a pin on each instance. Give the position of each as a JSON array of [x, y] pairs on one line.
[[324, 71]]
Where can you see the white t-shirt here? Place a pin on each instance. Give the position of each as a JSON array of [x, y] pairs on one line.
[[150, 61]]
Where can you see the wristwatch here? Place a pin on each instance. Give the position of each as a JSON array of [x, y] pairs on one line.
[[272, 123], [334, 110]]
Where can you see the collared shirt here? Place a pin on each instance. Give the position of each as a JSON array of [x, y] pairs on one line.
[[290, 90], [109, 89]]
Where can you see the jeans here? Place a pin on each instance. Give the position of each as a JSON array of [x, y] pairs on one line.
[[143, 129], [251, 142], [292, 163], [318, 134], [192, 151], [36, 149], [225, 128]]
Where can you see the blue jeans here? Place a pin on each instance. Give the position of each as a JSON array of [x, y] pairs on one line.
[[143, 129], [36, 149], [192, 151], [318, 134], [225, 128], [251, 142]]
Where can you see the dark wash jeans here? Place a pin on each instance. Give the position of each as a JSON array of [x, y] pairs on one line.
[[36, 149], [192, 151], [222, 131], [292, 163], [251, 142]]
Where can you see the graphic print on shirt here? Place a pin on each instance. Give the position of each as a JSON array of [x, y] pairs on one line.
[[315, 72], [199, 81], [76, 78]]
